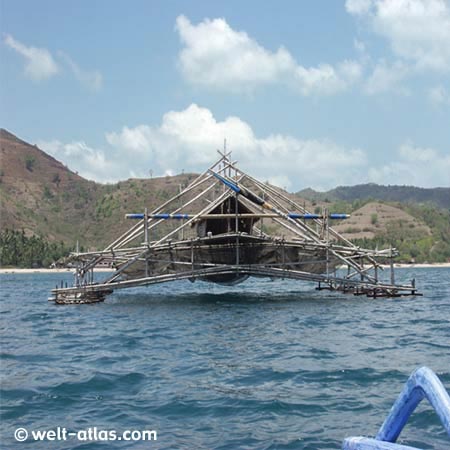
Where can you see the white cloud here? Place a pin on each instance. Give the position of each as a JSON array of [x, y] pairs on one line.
[[217, 56], [417, 166], [187, 140], [90, 163], [438, 95], [360, 46], [39, 64], [358, 6], [92, 79], [386, 77], [325, 79], [417, 30]]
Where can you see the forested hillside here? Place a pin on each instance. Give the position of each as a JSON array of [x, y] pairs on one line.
[[439, 197], [46, 208]]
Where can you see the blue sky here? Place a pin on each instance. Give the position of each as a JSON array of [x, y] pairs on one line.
[[312, 93]]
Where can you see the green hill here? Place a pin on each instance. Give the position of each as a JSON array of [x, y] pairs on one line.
[[439, 197], [46, 208], [43, 197]]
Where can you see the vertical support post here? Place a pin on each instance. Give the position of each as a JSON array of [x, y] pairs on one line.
[[181, 204], [391, 261], [262, 219], [146, 240], [224, 166], [146, 226], [361, 265], [77, 275], [327, 237], [236, 223], [192, 256], [78, 279]]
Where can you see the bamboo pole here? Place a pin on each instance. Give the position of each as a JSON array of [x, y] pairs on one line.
[[156, 223], [313, 234], [137, 229], [202, 178], [210, 207], [310, 240], [136, 234], [226, 270]]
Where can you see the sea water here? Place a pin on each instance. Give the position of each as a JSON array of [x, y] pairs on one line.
[[263, 365]]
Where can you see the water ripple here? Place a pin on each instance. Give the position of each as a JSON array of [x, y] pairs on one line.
[[266, 365]]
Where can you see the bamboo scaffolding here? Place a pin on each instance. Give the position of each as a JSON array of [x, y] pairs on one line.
[[314, 237], [224, 254], [135, 234], [333, 232], [243, 269]]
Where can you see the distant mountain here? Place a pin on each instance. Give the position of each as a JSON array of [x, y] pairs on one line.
[[404, 194], [42, 197]]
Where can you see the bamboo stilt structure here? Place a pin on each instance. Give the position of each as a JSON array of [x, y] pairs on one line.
[[212, 230]]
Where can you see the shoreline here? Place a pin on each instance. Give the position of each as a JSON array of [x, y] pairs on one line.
[[11, 270], [16, 270], [419, 265]]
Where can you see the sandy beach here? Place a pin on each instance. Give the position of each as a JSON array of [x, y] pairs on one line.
[[443, 265], [45, 270]]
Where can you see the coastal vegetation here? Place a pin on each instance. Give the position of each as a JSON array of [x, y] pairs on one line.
[[47, 208], [19, 250], [421, 233]]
